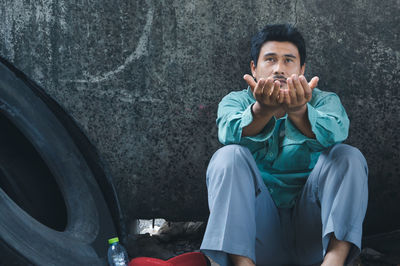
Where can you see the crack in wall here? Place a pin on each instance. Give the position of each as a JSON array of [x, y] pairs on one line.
[[141, 50]]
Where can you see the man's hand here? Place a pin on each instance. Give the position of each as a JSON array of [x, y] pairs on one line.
[[270, 98], [266, 92], [268, 102], [299, 93]]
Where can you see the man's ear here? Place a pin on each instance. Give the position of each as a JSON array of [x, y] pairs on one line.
[[253, 68], [303, 69]]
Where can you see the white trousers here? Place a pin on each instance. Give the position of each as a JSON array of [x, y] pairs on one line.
[[245, 221]]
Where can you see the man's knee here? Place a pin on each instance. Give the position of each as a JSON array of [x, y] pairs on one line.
[[346, 160], [227, 159], [344, 153], [229, 155]]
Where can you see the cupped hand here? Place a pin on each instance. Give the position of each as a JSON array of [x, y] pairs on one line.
[[299, 92], [266, 92]]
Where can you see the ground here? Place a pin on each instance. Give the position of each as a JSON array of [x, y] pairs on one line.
[[172, 239]]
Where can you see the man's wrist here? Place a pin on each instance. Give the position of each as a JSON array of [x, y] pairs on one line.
[[297, 112], [258, 109]]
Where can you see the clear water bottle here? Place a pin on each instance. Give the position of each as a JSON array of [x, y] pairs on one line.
[[117, 255]]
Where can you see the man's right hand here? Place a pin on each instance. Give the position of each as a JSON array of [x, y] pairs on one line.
[[266, 92], [268, 97]]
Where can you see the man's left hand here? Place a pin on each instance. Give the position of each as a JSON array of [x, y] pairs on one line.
[[299, 93]]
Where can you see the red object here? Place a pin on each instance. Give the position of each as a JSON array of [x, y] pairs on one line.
[[187, 259]]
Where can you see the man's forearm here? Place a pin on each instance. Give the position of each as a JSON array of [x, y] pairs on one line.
[[300, 120], [261, 117]]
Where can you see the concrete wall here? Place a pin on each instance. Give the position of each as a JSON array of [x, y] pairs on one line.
[[143, 80]]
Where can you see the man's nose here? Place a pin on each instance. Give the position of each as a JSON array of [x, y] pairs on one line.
[[279, 68]]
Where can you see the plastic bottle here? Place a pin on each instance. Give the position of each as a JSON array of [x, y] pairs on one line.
[[117, 255]]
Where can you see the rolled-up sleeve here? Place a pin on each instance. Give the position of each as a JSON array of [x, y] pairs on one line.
[[329, 122], [233, 116]]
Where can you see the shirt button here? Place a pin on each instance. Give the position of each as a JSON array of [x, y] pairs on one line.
[[270, 154]]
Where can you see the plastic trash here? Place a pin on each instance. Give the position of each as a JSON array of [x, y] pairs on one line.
[[117, 255]]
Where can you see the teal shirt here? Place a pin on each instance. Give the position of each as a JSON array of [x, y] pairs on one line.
[[284, 156]]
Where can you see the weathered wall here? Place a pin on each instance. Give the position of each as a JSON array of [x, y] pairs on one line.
[[143, 80]]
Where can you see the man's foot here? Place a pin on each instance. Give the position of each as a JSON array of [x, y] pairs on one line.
[[241, 260], [212, 263], [337, 252]]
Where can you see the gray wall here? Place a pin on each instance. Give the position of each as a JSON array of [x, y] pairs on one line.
[[143, 80]]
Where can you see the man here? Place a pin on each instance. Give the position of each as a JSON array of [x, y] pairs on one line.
[[284, 190]]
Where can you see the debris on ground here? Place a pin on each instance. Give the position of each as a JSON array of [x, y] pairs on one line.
[[175, 238]]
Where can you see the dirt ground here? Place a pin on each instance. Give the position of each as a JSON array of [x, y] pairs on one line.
[[173, 239]]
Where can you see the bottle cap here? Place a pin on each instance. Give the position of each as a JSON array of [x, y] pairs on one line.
[[113, 240]]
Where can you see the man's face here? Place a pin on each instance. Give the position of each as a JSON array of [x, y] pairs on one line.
[[278, 60]]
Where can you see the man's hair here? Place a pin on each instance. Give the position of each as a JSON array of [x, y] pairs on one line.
[[280, 33]]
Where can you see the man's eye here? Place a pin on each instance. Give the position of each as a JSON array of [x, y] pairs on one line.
[[270, 59], [288, 60]]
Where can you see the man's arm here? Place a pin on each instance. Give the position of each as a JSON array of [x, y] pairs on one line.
[[301, 121], [295, 104], [322, 123], [268, 100], [234, 122]]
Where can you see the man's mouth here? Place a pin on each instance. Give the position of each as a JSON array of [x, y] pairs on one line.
[[281, 79]]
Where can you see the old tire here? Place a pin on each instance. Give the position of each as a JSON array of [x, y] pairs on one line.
[[57, 205]]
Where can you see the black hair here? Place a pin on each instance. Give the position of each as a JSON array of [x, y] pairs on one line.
[[280, 33]]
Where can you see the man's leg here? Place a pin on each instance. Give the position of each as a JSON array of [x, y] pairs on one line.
[[333, 205], [236, 193]]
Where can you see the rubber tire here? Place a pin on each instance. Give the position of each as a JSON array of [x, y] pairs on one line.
[[80, 177]]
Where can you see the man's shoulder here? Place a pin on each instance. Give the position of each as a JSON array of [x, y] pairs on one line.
[[319, 95], [240, 93], [240, 96]]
